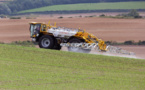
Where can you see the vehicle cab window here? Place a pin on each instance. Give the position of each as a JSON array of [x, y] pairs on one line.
[[35, 29]]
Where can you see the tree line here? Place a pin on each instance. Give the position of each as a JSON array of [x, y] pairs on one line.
[[18, 5]]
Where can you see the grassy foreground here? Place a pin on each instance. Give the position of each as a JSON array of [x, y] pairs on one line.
[[28, 68], [90, 6]]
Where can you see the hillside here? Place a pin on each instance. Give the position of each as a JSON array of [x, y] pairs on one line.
[[27, 68], [19, 5], [3, 1], [89, 7]]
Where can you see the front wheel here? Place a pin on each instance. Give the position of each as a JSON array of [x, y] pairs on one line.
[[57, 47], [46, 42]]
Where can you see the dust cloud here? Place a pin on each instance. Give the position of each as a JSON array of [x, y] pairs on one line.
[[108, 54]]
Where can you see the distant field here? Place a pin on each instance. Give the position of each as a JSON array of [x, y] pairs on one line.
[[27, 68], [91, 6]]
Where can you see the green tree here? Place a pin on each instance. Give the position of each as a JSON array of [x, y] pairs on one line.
[[133, 13], [4, 9]]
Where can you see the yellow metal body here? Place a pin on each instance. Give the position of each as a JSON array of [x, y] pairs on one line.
[[90, 38], [81, 34]]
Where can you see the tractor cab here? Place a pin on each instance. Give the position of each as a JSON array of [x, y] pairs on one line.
[[36, 29]]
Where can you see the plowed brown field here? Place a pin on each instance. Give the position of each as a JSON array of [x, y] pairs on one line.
[[119, 30]]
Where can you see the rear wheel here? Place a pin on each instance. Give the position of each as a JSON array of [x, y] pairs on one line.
[[75, 49], [46, 42]]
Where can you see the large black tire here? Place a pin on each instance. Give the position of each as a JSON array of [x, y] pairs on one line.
[[56, 45], [46, 42], [74, 49]]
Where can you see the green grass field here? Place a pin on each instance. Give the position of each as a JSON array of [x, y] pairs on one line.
[[90, 6], [29, 68]]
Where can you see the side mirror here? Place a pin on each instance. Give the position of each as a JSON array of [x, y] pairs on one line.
[[44, 28]]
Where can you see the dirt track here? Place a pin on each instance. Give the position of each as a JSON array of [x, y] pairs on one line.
[[118, 30]]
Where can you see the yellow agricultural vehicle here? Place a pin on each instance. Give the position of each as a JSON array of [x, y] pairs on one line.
[[53, 37], [50, 37]]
